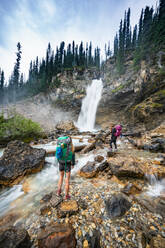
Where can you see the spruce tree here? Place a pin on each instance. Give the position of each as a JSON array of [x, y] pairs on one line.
[[128, 31], [16, 72], [134, 38]]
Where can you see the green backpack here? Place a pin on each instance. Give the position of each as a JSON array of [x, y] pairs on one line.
[[64, 149]]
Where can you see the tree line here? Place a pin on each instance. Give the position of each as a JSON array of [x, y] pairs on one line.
[[42, 73], [146, 39]]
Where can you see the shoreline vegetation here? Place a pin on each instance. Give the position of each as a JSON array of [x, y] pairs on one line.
[[18, 127]]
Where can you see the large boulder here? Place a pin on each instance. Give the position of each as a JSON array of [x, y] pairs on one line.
[[66, 126], [14, 238], [57, 236], [18, 160], [134, 167], [91, 169], [153, 204], [117, 205]]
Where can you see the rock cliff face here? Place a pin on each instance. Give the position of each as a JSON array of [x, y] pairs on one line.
[[136, 98]]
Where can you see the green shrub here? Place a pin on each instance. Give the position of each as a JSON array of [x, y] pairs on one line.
[[117, 89], [18, 127]]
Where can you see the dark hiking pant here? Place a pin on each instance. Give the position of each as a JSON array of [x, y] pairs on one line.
[[113, 140]]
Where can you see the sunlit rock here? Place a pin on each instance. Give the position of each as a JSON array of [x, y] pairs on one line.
[[131, 189], [126, 167], [57, 235], [67, 208], [66, 126]]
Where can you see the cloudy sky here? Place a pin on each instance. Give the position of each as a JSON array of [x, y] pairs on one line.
[[34, 23]]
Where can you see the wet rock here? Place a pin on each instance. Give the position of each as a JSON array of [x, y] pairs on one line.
[[57, 236], [111, 154], [18, 160], [94, 241], [99, 158], [131, 189], [67, 208], [14, 238], [82, 204], [46, 198], [152, 148], [117, 205], [55, 200], [8, 220], [155, 205], [102, 166], [132, 134], [89, 170], [161, 158], [160, 142], [45, 209], [89, 148], [78, 148], [157, 242]]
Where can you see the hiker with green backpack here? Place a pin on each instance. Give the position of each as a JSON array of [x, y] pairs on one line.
[[66, 158]]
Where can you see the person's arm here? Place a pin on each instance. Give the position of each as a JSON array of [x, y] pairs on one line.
[[73, 156]]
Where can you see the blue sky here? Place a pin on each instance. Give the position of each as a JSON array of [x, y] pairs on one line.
[[34, 23]]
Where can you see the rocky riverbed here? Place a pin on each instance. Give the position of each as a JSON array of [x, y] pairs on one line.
[[113, 202]]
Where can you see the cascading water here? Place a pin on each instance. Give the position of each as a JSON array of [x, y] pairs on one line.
[[87, 116], [156, 187]]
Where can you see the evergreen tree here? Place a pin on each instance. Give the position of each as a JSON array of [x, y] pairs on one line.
[[2, 80], [161, 25], [61, 54], [73, 53], [16, 72], [134, 38], [120, 54], [128, 31], [90, 59], [116, 46], [81, 54]]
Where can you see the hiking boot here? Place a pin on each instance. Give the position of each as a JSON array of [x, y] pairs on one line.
[[67, 197], [59, 192]]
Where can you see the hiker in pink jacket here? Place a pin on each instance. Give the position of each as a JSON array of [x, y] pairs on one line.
[[115, 132]]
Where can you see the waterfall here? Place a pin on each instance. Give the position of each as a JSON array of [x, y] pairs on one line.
[[156, 187], [87, 116]]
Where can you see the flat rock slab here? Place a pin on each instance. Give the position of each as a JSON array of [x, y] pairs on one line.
[[68, 208], [55, 200]]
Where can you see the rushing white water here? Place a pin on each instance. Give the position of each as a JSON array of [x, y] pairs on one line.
[[87, 116], [39, 184], [1, 152], [156, 187]]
